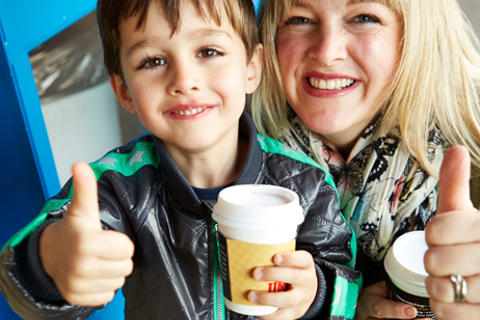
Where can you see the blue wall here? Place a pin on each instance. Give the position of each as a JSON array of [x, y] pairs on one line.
[[27, 168], [28, 171]]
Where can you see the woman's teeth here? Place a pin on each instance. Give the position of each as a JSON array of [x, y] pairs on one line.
[[190, 112], [333, 84]]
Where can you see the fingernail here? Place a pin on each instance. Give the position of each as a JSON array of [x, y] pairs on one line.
[[410, 312], [278, 259], [252, 296], [258, 274]]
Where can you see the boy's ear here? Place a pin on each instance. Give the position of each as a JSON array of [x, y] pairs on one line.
[[254, 69], [122, 93]]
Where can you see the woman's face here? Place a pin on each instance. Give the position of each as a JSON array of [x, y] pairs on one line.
[[337, 59]]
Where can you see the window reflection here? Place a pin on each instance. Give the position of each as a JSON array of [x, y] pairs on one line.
[[82, 115]]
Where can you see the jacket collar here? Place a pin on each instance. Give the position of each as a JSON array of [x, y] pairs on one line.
[[180, 187]]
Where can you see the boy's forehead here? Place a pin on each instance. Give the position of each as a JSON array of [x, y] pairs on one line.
[[173, 14], [155, 28], [137, 23], [156, 14]]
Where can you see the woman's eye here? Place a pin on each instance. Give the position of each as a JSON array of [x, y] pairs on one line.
[[154, 62], [366, 18], [297, 20], [208, 53]]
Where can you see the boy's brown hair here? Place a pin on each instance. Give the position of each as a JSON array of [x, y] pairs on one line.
[[110, 13]]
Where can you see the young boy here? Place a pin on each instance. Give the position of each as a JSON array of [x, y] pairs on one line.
[[142, 219]]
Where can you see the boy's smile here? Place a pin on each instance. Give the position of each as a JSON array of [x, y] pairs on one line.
[[188, 111], [187, 88]]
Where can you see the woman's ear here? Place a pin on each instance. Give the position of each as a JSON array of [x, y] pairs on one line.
[[122, 93], [254, 69]]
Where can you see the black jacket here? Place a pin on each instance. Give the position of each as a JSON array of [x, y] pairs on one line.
[[143, 194]]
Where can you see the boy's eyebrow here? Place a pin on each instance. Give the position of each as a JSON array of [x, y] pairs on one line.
[[200, 33], [142, 44], [302, 4], [209, 32]]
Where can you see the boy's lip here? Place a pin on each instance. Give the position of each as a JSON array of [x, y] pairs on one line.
[[187, 106]]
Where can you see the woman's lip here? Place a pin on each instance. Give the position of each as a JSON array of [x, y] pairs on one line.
[[324, 93], [327, 76]]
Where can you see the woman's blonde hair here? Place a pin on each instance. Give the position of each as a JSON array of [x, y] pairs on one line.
[[437, 81]]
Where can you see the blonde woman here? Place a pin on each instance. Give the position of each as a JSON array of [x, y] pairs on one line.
[[377, 92]]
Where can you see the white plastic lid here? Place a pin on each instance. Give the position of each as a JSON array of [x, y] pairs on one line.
[[257, 207], [404, 263]]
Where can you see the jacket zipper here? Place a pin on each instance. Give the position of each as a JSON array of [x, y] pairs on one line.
[[219, 308]]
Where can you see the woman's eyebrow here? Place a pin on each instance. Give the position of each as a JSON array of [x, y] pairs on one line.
[[352, 2]]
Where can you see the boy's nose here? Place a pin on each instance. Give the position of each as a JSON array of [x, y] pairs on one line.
[[184, 80], [328, 46]]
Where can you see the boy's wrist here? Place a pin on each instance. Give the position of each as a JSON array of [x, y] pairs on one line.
[[41, 247], [319, 301], [40, 285]]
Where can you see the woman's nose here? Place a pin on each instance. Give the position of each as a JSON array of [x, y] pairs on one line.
[[329, 45]]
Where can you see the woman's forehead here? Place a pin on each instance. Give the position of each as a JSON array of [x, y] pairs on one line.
[[348, 2]]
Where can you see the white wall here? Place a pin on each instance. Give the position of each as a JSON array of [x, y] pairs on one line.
[[472, 9], [82, 127]]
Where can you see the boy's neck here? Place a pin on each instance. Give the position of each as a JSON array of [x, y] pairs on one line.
[[215, 167]]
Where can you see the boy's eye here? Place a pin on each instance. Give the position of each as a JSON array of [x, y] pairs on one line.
[[297, 20], [366, 18], [154, 62], [208, 53]]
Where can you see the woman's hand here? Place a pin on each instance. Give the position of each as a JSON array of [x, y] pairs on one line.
[[298, 270], [374, 304], [453, 238]]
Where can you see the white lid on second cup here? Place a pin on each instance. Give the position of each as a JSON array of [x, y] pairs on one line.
[[404, 263], [257, 207]]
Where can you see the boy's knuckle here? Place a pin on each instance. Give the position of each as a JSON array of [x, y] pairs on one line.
[[120, 283], [297, 274], [130, 266]]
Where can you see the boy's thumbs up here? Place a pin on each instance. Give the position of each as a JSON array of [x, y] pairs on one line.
[[87, 264], [85, 198], [454, 184]]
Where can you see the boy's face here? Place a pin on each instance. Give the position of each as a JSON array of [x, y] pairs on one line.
[[187, 89]]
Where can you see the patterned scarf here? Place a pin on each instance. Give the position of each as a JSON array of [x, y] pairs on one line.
[[383, 190]]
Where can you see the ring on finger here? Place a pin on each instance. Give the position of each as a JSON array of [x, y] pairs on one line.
[[459, 287]]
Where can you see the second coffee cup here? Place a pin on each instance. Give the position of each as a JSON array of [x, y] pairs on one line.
[[254, 222]]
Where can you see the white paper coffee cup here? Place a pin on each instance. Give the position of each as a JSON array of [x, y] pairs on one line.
[[254, 222], [406, 272]]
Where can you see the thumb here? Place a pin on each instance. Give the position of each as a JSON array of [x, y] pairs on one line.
[[85, 197], [454, 184]]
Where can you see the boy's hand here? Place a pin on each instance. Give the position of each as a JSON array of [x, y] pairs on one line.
[[87, 263], [298, 270]]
